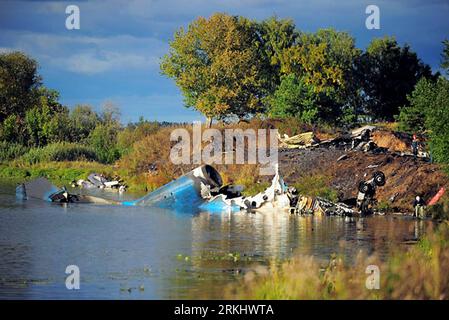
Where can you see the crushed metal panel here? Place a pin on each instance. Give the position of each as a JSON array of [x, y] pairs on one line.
[[301, 140], [359, 131], [40, 188]]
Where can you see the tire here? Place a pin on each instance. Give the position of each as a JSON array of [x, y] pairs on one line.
[[379, 178]]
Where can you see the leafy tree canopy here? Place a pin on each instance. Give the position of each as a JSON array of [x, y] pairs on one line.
[[387, 73], [19, 81], [294, 98], [219, 66]]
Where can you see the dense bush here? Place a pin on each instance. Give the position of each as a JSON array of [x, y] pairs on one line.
[[135, 132], [11, 151], [412, 118], [103, 139], [428, 111], [294, 98], [59, 152], [437, 122], [316, 186]]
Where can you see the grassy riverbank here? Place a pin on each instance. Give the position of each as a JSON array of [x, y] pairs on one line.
[[62, 173], [419, 272]]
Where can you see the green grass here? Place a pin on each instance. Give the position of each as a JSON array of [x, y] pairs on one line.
[[384, 207], [61, 173], [255, 188], [60, 151], [64, 172], [317, 185], [11, 151]]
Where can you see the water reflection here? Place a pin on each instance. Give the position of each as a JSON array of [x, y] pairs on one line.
[[277, 235], [171, 255]]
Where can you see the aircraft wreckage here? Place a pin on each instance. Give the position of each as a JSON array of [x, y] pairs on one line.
[[202, 189]]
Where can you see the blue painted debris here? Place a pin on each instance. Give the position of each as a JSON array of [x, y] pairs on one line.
[[202, 190], [191, 191]]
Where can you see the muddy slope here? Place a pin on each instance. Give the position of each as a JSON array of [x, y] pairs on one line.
[[406, 177]]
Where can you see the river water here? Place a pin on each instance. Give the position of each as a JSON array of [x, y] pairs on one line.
[[148, 253]]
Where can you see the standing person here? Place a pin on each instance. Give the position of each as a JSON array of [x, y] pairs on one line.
[[419, 206], [415, 146]]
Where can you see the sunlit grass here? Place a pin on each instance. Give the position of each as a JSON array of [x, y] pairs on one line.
[[419, 272]]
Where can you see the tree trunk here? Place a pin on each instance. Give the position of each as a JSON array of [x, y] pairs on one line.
[[208, 122]]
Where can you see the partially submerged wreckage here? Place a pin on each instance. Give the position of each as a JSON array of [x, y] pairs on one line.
[[360, 139], [202, 189], [42, 189], [96, 180]]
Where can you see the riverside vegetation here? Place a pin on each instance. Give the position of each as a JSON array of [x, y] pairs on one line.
[[267, 74], [270, 75], [418, 272]]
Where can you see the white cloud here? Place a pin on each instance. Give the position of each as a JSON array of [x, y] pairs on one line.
[[92, 63], [89, 55]]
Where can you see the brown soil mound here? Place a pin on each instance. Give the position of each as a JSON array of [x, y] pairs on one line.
[[406, 177], [393, 141]]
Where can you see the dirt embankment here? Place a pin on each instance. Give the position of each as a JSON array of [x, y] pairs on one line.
[[406, 177]]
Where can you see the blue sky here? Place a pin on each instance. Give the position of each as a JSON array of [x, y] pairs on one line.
[[115, 55]]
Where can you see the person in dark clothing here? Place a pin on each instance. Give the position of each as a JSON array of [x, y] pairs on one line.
[[419, 206], [415, 144]]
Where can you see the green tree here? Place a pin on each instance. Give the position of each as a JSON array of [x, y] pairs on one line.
[[387, 73], [83, 120], [11, 129], [103, 139], [19, 81], [294, 98], [412, 117], [325, 60], [47, 121], [218, 64], [277, 35], [437, 121], [445, 57]]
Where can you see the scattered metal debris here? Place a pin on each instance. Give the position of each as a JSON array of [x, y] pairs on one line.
[[202, 189], [95, 180], [303, 140], [42, 189]]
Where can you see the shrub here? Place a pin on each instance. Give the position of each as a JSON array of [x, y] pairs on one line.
[[11, 151], [384, 207], [133, 133], [59, 152], [151, 153], [317, 185], [103, 139], [412, 118], [294, 98]]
